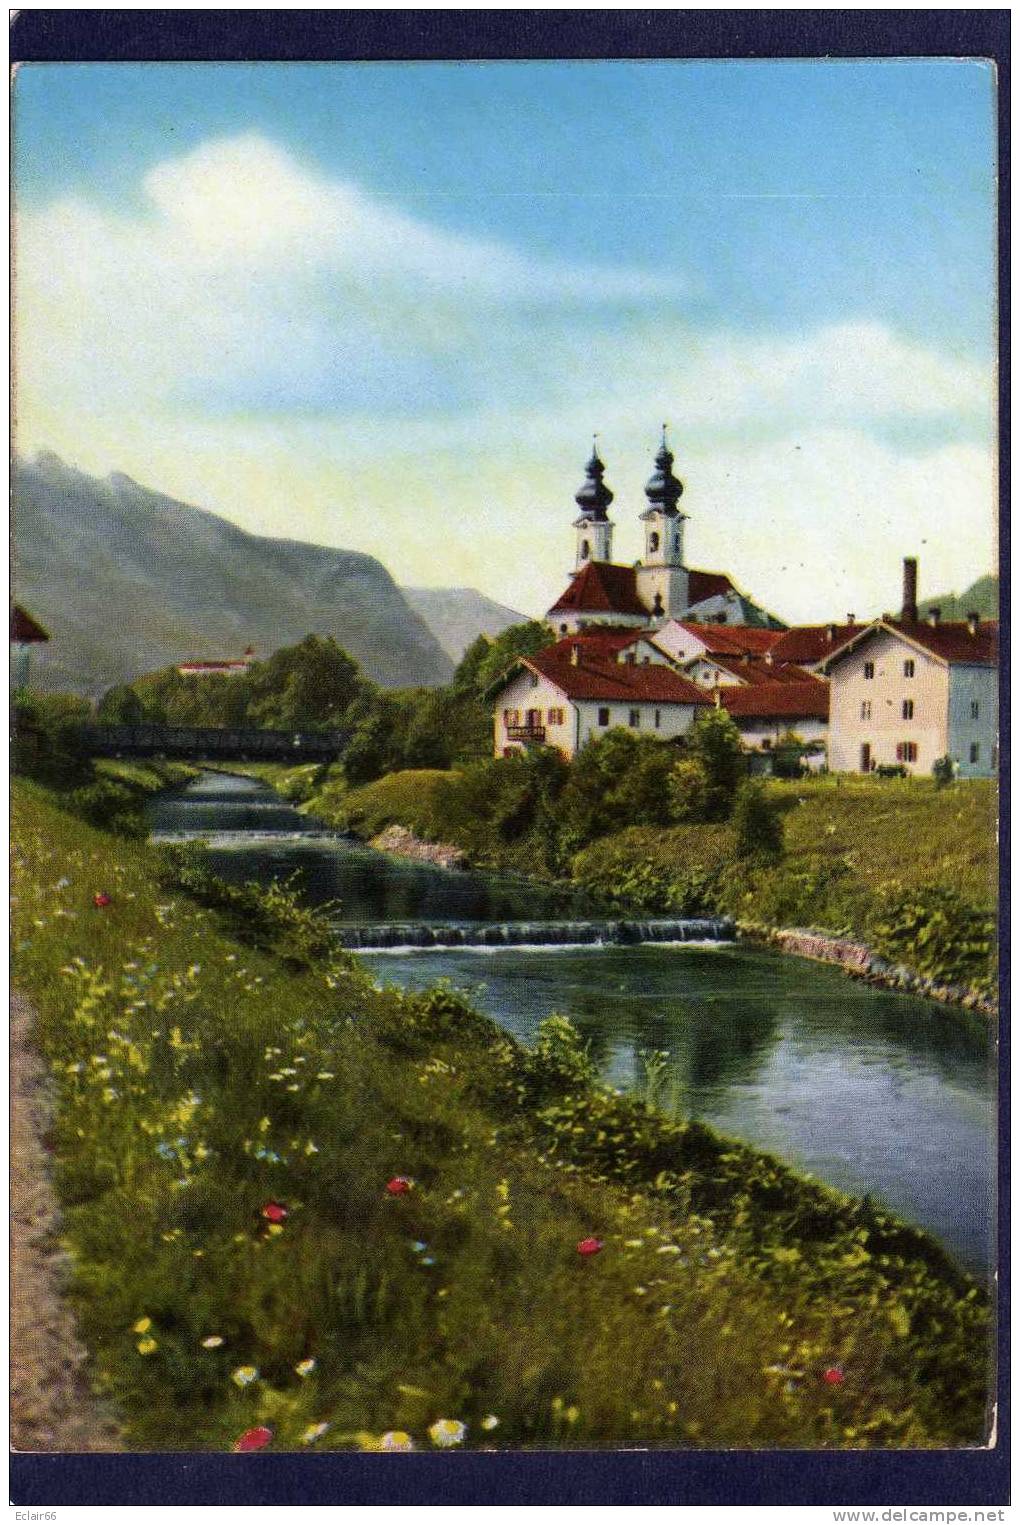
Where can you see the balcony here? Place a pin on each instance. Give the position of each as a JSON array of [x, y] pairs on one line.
[[525, 733]]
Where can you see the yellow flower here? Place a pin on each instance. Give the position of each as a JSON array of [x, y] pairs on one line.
[[396, 1440], [489, 1422], [447, 1432], [244, 1375], [305, 1368], [146, 1347], [212, 1341], [142, 1325]]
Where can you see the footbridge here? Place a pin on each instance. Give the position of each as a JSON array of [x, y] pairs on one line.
[[212, 743]]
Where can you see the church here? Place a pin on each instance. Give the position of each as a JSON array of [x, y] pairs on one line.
[[658, 588]]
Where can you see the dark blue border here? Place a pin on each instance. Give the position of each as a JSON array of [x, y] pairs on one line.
[[943, 1478]]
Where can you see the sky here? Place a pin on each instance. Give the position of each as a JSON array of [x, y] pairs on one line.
[[385, 307]]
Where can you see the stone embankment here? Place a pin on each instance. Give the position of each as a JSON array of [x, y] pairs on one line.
[[862, 962], [404, 844]]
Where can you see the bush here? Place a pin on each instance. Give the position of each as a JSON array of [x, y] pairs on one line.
[[46, 740], [714, 742], [943, 771], [109, 805], [688, 791], [757, 824], [934, 930], [560, 1063]]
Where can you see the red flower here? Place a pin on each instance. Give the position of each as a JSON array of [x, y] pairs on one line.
[[102, 899], [253, 1440], [274, 1211], [832, 1375], [398, 1186], [589, 1246]]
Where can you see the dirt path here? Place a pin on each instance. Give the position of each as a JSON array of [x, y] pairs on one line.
[[52, 1406]]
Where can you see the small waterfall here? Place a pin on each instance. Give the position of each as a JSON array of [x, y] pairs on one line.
[[534, 934]]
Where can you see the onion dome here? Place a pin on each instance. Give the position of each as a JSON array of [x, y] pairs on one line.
[[663, 490], [593, 497]]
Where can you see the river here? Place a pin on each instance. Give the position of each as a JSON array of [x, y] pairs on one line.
[[866, 1089]]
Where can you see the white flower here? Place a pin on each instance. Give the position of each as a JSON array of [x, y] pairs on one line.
[[447, 1432]]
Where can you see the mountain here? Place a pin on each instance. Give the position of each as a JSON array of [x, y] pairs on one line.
[[458, 615], [127, 580], [982, 597]]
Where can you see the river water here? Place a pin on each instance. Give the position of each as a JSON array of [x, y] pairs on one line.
[[866, 1089]]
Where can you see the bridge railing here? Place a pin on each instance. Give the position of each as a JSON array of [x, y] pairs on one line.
[[211, 742]]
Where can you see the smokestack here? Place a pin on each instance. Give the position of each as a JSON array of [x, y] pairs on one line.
[[934, 614], [851, 619], [909, 610], [973, 620]]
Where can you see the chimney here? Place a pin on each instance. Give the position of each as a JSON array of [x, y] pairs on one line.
[[973, 620], [851, 619], [575, 655], [934, 615], [909, 611], [830, 633]]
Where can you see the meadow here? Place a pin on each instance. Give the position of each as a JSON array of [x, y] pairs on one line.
[[305, 1213]]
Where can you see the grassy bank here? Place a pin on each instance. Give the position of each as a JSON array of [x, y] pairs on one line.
[[227, 1124]]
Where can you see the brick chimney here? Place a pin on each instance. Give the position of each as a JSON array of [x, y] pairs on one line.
[[973, 620], [934, 615], [575, 655], [909, 611]]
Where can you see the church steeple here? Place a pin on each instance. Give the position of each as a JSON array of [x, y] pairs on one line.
[[662, 578], [663, 490], [593, 497]]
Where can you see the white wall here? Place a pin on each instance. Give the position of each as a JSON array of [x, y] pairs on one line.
[[568, 621], [974, 686], [757, 730], [678, 642], [674, 719], [529, 692], [885, 692]]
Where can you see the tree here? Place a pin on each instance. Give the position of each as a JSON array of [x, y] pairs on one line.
[[121, 706], [688, 791], [714, 742], [516, 641], [309, 686], [617, 780], [756, 822]]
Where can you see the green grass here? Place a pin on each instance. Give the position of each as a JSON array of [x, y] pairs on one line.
[[198, 1079]]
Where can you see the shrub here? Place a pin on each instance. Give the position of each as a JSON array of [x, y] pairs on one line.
[[46, 741], [757, 824], [934, 930], [560, 1062], [110, 805], [688, 791], [714, 742], [943, 771]]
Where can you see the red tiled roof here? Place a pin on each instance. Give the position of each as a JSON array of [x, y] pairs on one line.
[[757, 671], [702, 585], [950, 641], [604, 588], [811, 643], [732, 640], [780, 701], [602, 677], [24, 628]]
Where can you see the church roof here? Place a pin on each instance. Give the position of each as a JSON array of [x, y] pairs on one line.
[[702, 585], [778, 701], [602, 587]]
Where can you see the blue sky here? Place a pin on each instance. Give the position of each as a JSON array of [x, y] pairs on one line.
[[296, 284]]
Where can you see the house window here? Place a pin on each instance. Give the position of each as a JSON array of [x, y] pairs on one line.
[[975, 709], [908, 709], [585, 550], [906, 751], [635, 718], [908, 668], [766, 744], [512, 717], [658, 719], [653, 542], [604, 716], [869, 669], [555, 717], [975, 752], [865, 709]]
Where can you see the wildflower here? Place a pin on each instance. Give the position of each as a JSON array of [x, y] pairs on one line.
[[313, 1432], [253, 1440], [146, 1346], [589, 1246], [398, 1186], [427, 1260], [143, 1326], [447, 1432], [833, 1375], [244, 1375], [325, 1075], [489, 1422], [305, 1368], [101, 900], [274, 1212], [212, 1341], [400, 1440], [418, 1245]]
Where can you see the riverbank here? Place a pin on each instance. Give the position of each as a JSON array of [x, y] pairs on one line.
[[299, 1204], [896, 873]]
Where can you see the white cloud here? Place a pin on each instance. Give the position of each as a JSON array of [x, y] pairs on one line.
[[308, 360]]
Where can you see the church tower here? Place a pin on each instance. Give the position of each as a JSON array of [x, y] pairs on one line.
[[662, 580], [594, 529]]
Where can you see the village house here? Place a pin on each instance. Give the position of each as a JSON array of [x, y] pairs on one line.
[[26, 632], [231, 667], [905, 692], [660, 586], [764, 713], [587, 684]]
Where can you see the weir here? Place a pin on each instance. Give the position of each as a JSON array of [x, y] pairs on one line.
[[521, 934]]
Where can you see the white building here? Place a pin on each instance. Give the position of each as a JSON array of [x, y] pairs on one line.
[[766, 712], [584, 686], [907, 692]]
